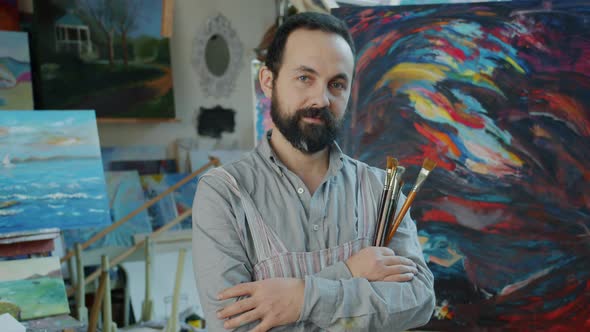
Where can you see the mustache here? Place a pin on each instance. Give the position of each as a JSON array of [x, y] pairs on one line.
[[322, 113]]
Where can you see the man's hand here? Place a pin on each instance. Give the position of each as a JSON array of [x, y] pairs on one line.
[[275, 301], [381, 264]]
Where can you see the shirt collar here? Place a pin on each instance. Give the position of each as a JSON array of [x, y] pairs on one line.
[[268, 154]]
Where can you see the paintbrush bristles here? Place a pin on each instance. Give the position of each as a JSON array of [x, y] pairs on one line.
[[429, 164], [389, 162]]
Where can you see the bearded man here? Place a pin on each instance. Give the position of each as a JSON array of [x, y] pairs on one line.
[[282, 238]]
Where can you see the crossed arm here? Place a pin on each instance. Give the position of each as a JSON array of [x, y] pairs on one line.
[[376, 289]]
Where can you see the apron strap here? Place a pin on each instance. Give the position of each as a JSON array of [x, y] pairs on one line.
[[266, 241]]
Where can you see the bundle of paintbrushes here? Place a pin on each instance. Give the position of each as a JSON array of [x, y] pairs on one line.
[[388, 221]]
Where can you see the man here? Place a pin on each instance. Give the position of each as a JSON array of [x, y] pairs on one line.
[[281, 238]]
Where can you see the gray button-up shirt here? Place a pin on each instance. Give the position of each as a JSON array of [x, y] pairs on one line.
[[333, 299]]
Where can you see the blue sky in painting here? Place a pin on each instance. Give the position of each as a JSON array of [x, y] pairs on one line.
[[26, 134], [150, 19], [14, 45]]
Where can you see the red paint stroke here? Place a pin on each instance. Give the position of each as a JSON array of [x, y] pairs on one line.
[[467, 119], [446, 46], [564, 107], [438, 216], [485, 207], [571, 316]]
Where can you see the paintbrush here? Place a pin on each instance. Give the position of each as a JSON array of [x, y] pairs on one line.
[[380, 227], [396, 188], [427, 167]]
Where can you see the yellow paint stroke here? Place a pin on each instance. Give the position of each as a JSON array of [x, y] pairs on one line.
[[61, 140], [515, 65], [427, 108], [410, 72], [539, 131], [515, 159]]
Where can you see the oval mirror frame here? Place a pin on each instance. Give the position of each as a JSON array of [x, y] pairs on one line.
[[213, 83]]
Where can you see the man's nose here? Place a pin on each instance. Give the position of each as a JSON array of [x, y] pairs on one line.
[[321, 97]]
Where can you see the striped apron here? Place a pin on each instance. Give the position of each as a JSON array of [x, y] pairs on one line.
[[274, 260]]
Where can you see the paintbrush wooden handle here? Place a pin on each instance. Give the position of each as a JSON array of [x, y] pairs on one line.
[[401, 215]]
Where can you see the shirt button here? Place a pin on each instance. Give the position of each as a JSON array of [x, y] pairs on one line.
[[316, 227], [300, 191]]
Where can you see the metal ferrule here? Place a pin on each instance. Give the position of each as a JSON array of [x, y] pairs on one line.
[[421, 178]]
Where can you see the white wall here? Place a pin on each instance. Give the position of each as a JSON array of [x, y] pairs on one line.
[[250, 19]]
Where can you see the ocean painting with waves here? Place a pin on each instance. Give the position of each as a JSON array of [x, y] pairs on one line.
[[51, 172], [498, 93]]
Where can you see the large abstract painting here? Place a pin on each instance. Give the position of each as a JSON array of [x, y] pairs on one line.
[[16, 89], [498, 94], [103, 55], [32, 288], [50, 171]]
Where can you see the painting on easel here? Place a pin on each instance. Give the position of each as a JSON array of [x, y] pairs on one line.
[[103, 55], [51, 171], [16, 89], [32, 288]]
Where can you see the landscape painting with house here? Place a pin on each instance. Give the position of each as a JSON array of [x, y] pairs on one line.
[[106, 55]]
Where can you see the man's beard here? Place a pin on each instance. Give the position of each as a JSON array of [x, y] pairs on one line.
[[306, 137]]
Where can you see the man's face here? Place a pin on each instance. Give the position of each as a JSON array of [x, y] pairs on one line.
[[310, 94]]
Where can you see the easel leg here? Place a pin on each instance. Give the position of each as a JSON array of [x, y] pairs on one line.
[[80, 287], [147, 306], [107, 319], [173, 320]]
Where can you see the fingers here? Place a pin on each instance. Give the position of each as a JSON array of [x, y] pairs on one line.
[[400, 277], [399, 269], [236, 291], [385, 251], [242, 319], [236, 308], [398, 260], [263, 327]]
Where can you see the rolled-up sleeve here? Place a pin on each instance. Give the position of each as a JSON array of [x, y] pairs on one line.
[[355, 304]]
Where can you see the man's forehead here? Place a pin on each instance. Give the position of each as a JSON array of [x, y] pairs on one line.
[[317, 50]]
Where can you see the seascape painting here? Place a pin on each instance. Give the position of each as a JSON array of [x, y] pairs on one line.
[[32, 288], [51, 172], [16, 88], [103, 55], [498, 94], [125, 196]]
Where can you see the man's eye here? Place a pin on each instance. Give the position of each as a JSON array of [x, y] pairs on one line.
[[338, 85], [303, 78]]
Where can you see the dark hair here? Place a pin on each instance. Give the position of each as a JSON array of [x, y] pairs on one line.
[[309, 21]]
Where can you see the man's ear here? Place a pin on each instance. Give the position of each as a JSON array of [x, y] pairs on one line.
[[266, 77]]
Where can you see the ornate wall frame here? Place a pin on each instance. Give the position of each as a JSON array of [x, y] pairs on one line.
[[211, 84]]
